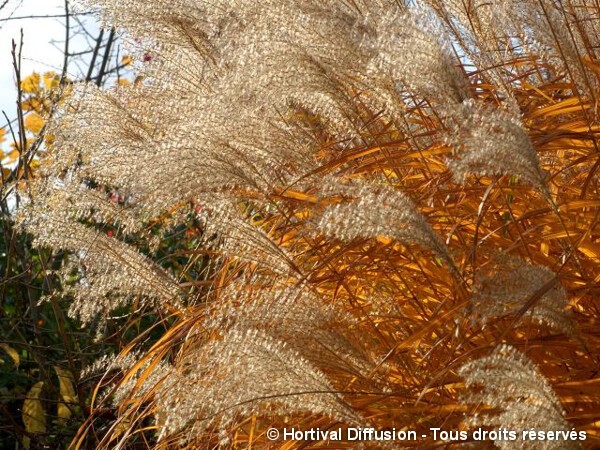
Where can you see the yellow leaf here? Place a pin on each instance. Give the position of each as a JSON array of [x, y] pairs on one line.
[[51, 80], [34, 417], [2, 134], [13, 155], [63, 413], [126, 60], [67, 392], [32, 104], [49, 139], [33, 122], [31, 84], [123, 82], [12, 353]]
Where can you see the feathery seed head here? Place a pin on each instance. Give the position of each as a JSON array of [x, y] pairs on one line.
[[509, 382]]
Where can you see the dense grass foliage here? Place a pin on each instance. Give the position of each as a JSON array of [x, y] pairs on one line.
[[388, 212]]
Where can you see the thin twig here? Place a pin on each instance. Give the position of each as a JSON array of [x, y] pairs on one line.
[[63, 76], [49, 16]]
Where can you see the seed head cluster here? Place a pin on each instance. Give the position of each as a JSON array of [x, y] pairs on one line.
[[352, 169]]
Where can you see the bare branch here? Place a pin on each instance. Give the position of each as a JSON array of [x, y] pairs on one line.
[[48, 16]]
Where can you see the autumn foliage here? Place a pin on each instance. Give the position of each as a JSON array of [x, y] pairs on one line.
[[343, 213]]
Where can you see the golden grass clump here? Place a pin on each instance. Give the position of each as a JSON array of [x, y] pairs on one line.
[[397, 201]]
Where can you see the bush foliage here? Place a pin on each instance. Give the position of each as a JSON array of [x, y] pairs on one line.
[[333, 214]]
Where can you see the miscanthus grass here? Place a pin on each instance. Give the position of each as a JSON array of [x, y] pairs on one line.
[[399, 203]]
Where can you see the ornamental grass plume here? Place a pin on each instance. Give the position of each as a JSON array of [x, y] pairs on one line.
[[521, 397], [314, 194], [509, 284], [245, 372]]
